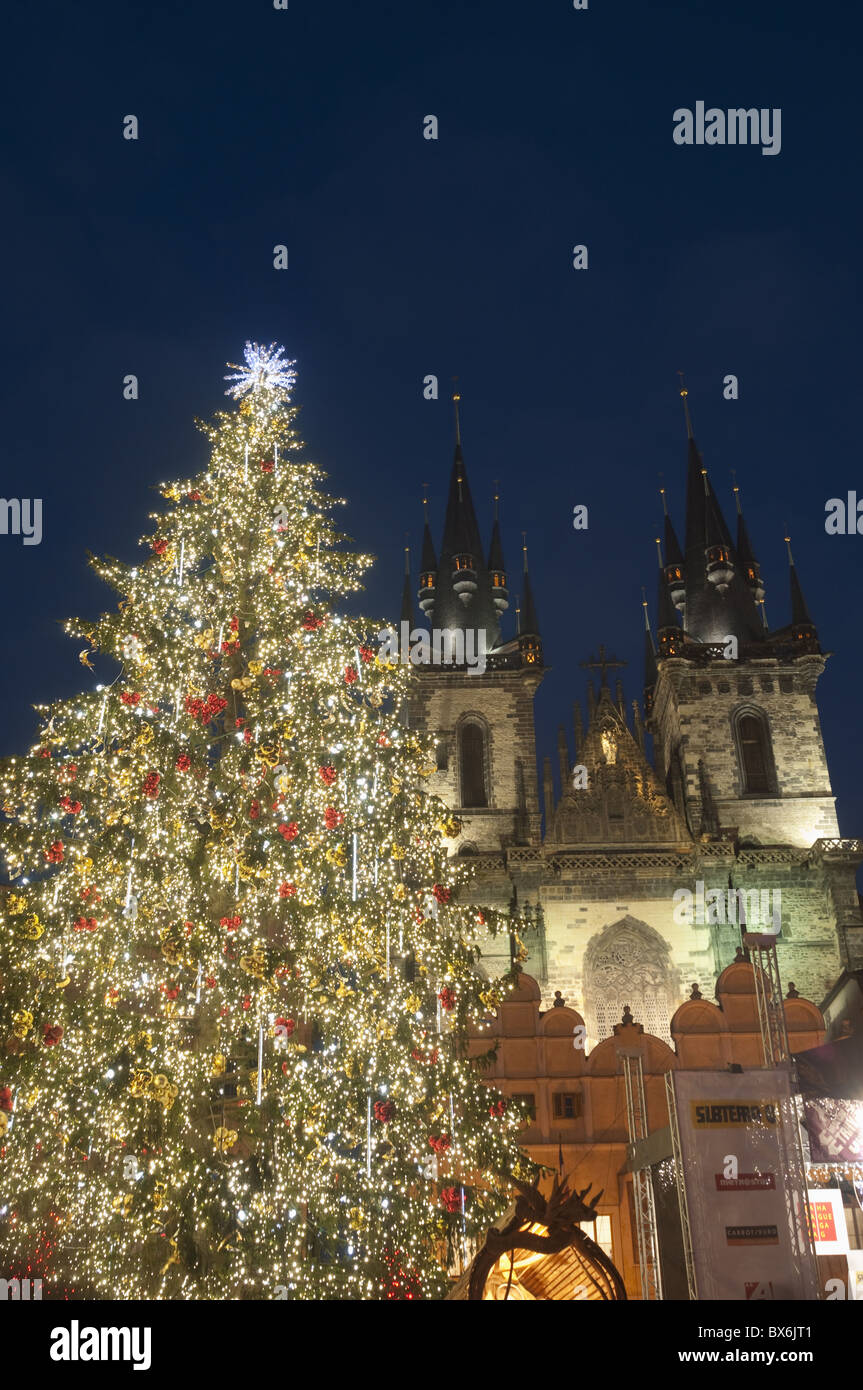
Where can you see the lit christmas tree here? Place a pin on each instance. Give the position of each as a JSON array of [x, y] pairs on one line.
[[236, 979]]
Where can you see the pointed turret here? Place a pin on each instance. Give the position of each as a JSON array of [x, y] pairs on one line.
[[407, 613], [650, 671], [428, 573], [719, 600], [668, 632], [496, 565], [674, 564], [803, 632], [750, 567], [463, 587], [529, 640]]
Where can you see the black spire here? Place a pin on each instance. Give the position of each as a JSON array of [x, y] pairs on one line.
[[428, 573], [496, 564], [718, 600], [650, 672], [750, 568], [803, 631], [529, 620], [529, 640], [407, 613], [463, 589]]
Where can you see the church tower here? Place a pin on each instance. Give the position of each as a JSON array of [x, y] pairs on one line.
[[732, 708], [475, 695]]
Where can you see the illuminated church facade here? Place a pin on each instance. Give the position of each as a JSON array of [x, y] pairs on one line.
[[715, 784]]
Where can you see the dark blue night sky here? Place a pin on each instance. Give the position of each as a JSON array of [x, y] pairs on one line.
[[409, 257]]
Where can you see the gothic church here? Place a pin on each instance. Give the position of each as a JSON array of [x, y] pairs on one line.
[[736, 795]]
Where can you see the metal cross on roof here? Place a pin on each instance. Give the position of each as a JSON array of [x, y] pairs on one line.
[[603, 663]]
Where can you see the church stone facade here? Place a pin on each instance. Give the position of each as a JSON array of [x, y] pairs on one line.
[[717, 783]]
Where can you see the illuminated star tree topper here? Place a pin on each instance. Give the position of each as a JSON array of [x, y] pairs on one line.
[[266, 370]]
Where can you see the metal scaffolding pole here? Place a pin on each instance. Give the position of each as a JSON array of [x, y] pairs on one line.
[[642, 1181], [686, 1229]]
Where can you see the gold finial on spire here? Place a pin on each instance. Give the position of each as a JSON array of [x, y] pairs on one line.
[[425, 501], [788, 543], [407, 555], [659, 552], [496, 498], [456, 397], [524, 549], [736, 491], [685, 398], [644, 606], [662, 494]]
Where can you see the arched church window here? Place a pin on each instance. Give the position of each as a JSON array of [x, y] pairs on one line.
[[473, 784], [755, 761]]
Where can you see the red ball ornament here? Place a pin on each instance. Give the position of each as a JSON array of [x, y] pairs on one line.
[[289, 831], [384, 1111], [130, 697], [367, 653], [5, 1098], [327, 775], [54, 855], [450, 1199], [287, 890], [440, 1142], [51, 1034], [70, 806], [332, 818], [284, 1027], [183, 763], [255, 810], [447, 998], [150, 785], [159, 547], [350, 675], [497, 1108]]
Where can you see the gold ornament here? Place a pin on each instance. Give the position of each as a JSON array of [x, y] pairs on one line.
[[255, 668], [338, 856], [400, 892], [398, 851], [164, 1091], [254, 964], [33, 928], [122, 1204], [224, 1139], [4, 1122], [413, 1003], [269, 754], [16, 904], [140, 1083], [218, 1065], [22, 1023]]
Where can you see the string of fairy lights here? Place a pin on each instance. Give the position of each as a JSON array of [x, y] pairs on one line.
[[237, 976]]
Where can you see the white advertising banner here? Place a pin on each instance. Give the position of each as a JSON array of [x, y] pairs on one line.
[[746, 1221]]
